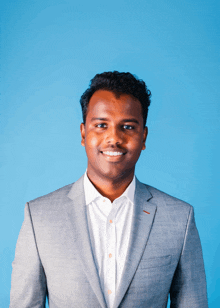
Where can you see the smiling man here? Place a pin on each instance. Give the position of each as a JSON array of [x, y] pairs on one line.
[[108, 240]]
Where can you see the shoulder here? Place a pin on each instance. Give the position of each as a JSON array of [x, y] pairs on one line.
[[158, 194], [58, 200], [51, 200], [170, 211], [166, 202]]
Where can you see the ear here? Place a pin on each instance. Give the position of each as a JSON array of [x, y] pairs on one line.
[[82, 130], [145, 137]]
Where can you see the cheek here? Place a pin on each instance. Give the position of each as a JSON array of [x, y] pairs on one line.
[[136, 145], [91, 141]]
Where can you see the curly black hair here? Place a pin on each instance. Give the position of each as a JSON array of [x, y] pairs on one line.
[[119, 83]]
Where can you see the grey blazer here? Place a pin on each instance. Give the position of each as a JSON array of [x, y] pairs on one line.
[[54, 258]]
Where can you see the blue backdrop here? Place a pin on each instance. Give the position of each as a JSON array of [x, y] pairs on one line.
[[49, 52]]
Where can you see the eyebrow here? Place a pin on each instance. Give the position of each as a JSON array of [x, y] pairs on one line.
[[99, 119], [131, 120]]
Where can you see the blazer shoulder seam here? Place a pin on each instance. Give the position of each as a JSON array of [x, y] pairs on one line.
[[32, 227], [187, 227]]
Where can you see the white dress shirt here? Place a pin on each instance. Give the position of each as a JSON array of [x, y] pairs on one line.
[[109, 228]]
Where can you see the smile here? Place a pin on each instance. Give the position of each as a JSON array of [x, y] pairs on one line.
[[112, 153]]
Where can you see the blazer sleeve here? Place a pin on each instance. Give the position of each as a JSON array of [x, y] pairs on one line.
[[28, 285], [188, 287]]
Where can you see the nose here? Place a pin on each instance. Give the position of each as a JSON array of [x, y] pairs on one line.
[[114, 135]]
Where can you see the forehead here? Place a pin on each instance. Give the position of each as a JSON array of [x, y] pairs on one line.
[[115, 105]]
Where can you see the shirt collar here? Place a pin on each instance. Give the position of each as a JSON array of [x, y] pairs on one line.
[[91, 192]]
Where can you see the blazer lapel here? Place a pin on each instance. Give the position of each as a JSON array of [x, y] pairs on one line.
[[79, 223], [144, 212]]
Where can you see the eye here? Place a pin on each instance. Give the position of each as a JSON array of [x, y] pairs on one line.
[[129, 127], [101, 125]]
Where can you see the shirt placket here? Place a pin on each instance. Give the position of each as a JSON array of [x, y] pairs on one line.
[[110, 279]]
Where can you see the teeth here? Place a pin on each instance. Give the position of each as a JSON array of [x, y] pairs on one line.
[[112, 153]]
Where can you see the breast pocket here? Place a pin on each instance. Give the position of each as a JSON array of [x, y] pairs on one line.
[[155, 262]]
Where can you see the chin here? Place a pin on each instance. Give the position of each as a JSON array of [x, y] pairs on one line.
[[115, 174]]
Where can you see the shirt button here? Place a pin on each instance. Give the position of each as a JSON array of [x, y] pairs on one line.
[[103, 200], [109, 291], [110, 221], [110, 255]]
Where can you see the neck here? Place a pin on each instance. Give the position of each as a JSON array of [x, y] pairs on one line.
[[110, 188]]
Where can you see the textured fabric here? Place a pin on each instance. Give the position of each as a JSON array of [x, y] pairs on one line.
[[109, 230], [54, 256]]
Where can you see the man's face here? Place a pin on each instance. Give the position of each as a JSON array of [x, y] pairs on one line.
[[113, 135]]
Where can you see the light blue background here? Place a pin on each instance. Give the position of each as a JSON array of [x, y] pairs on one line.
[[49, 52]]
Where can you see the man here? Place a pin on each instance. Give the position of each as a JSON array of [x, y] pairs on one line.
[[108, 240]]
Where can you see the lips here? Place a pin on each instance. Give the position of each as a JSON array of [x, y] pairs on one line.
[[112, 153]]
